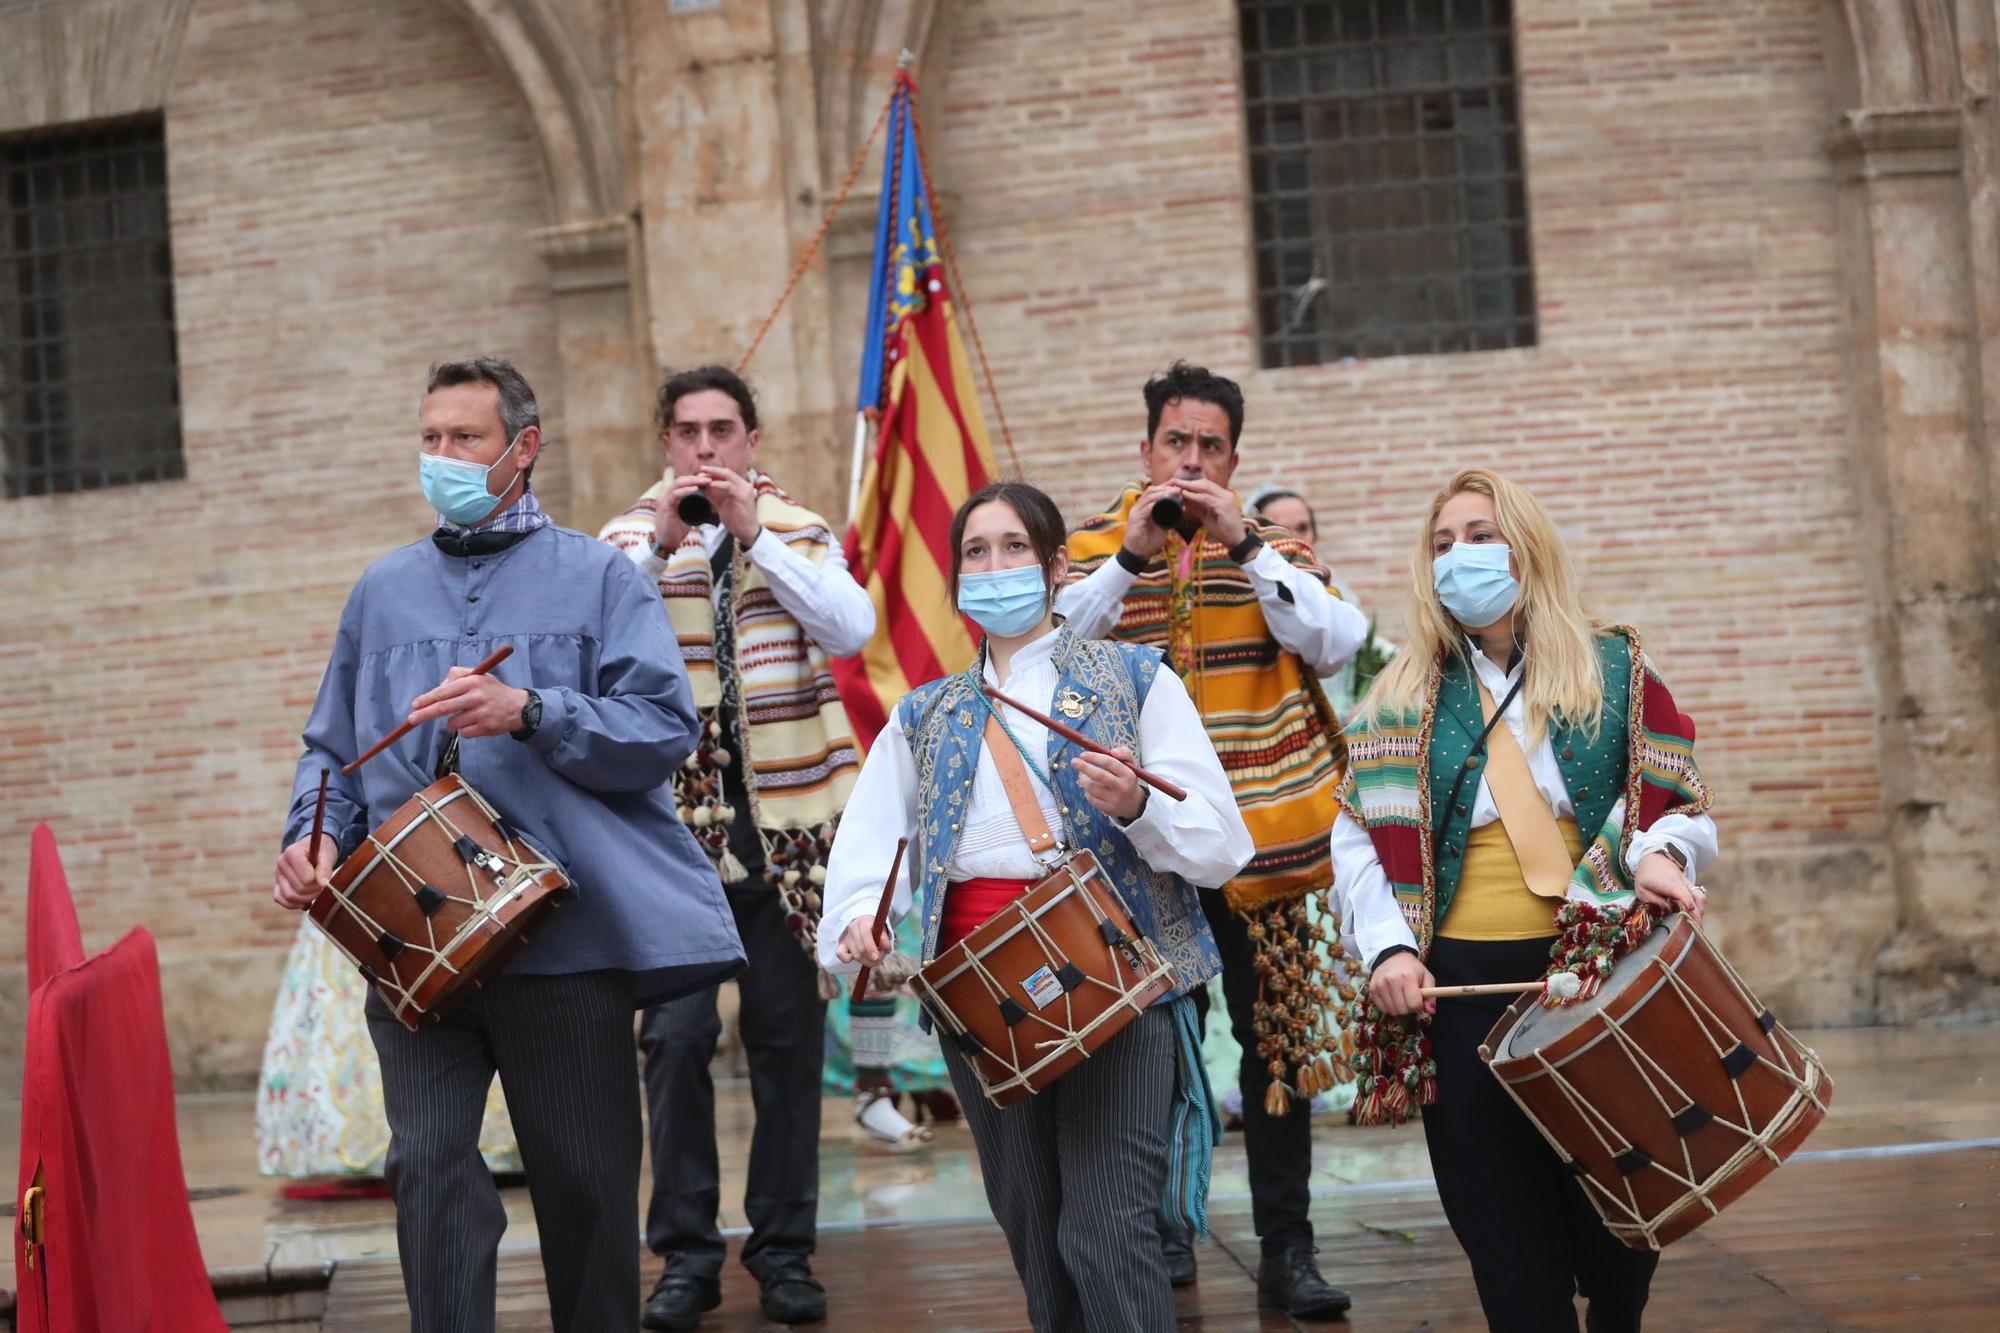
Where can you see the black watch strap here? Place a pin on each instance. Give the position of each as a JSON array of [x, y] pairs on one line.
[[531, 717], [1246, 548], [1391, 952], [1129, 562]]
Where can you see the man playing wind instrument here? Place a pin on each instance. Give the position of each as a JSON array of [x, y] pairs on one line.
[[759, 597], [1246, 616]]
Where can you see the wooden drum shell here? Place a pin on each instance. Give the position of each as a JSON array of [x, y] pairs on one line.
[[1050, 1038], [1671, 1100], [482, 921]]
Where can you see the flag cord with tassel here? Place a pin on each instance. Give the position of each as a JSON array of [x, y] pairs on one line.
[[819, 234], [944, 245]]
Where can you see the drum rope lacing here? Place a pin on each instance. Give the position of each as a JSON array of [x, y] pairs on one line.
[[518, 874], [1072, 1038], [1614, 1144]]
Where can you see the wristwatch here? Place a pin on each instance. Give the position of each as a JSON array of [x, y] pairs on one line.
[[531, 717], [1673, 853], [1246, 548]]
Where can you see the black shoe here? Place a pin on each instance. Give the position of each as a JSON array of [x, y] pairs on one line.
[[791, 1295], [1179, 1254], [677, 1301], [1290, 1281]]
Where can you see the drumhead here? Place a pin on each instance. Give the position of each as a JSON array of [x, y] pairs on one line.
[[1541, 1025]]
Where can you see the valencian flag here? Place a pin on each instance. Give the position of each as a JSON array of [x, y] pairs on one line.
[[930, 453]]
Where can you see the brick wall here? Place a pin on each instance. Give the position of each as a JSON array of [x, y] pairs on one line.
[[1682, 415], [351, 188]]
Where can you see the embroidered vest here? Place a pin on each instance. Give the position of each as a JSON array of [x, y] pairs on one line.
[[945, 726]]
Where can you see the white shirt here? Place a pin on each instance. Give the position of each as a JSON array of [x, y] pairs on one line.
[[1304, 615], [1369, 911], [829, 605], [1202, 839]]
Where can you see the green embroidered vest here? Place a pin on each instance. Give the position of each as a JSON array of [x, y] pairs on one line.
[[1592, 770]]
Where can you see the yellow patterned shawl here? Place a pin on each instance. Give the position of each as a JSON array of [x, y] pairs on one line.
[[1278, 739], [797, 745]]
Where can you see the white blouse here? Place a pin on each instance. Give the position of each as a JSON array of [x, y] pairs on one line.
[[1369, 912], [1202, 839]]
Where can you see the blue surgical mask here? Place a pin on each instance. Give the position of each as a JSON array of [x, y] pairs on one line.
[[457, 489], [1004, 602], [1474, 582]]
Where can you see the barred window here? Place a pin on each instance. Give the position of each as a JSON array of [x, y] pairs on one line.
[[1389, 202], [89, 380]]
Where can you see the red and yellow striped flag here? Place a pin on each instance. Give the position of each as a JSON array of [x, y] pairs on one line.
[[930, 454]]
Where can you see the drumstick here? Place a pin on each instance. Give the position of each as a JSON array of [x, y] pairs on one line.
[[493, 659], [319, 810], [881, 915], [1562, 986], [1158, 784]]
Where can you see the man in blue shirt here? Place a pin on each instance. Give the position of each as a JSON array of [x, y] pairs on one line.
[[573, 739]]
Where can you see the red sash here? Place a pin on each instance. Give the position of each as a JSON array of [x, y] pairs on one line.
[[970, 903]]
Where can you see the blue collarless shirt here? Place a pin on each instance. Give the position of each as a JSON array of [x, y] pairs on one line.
[[589, 787]]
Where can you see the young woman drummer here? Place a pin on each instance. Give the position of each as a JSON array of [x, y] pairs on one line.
[[1452, 855], [1075, 1174]]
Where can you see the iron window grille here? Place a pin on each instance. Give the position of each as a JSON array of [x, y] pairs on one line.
[[1389, 201], [89, 378]]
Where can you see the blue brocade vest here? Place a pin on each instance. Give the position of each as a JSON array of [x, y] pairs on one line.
[[945, 725]]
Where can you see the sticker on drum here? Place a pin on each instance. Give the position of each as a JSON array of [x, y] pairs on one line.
[[1043, 987]]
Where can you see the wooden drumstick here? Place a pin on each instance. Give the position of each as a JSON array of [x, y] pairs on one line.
[[881, 916], [1562, 986], [319, 812], [1157, 783], [493, 659]]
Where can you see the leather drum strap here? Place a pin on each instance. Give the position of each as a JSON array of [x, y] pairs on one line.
[[1020, 790], [1524, 811]]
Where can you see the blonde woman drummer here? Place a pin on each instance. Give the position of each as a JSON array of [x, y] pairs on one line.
[[1464, 888], [1076, 1174]]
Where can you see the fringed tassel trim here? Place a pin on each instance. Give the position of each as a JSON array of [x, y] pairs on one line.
[[1593, 938]]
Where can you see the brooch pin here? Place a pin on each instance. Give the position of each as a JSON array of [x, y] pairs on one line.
[[1070, 704]]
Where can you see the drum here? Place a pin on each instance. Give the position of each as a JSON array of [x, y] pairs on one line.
[[437, 899], [1668, 1093], [1044, 981]]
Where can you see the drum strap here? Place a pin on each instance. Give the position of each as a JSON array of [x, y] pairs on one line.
[[1524, 811], [1020, 792]]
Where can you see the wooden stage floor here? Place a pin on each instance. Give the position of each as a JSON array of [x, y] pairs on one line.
[[1889, 1220]]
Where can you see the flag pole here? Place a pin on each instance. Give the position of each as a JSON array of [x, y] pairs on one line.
[[854, 470]]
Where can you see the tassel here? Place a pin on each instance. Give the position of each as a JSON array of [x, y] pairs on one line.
[[731, 869], [893, 972], [829, 986], [1276, 1100]]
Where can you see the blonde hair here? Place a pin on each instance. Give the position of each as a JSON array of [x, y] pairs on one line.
[[1558, 636]]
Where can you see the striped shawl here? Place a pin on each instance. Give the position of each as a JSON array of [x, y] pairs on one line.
[[1278, 739], [799, 753]]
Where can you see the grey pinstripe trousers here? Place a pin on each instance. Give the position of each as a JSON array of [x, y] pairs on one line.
[[564, 1050], [1075, 1175]]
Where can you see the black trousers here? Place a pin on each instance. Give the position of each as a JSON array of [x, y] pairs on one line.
[[1532, 1236], [783, 1021], [562, 1046], [1279, 1147]]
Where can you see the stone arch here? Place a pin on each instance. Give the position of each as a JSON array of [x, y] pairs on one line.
[[1897, 54], [561, 57], [857, 47], [568, 83]]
